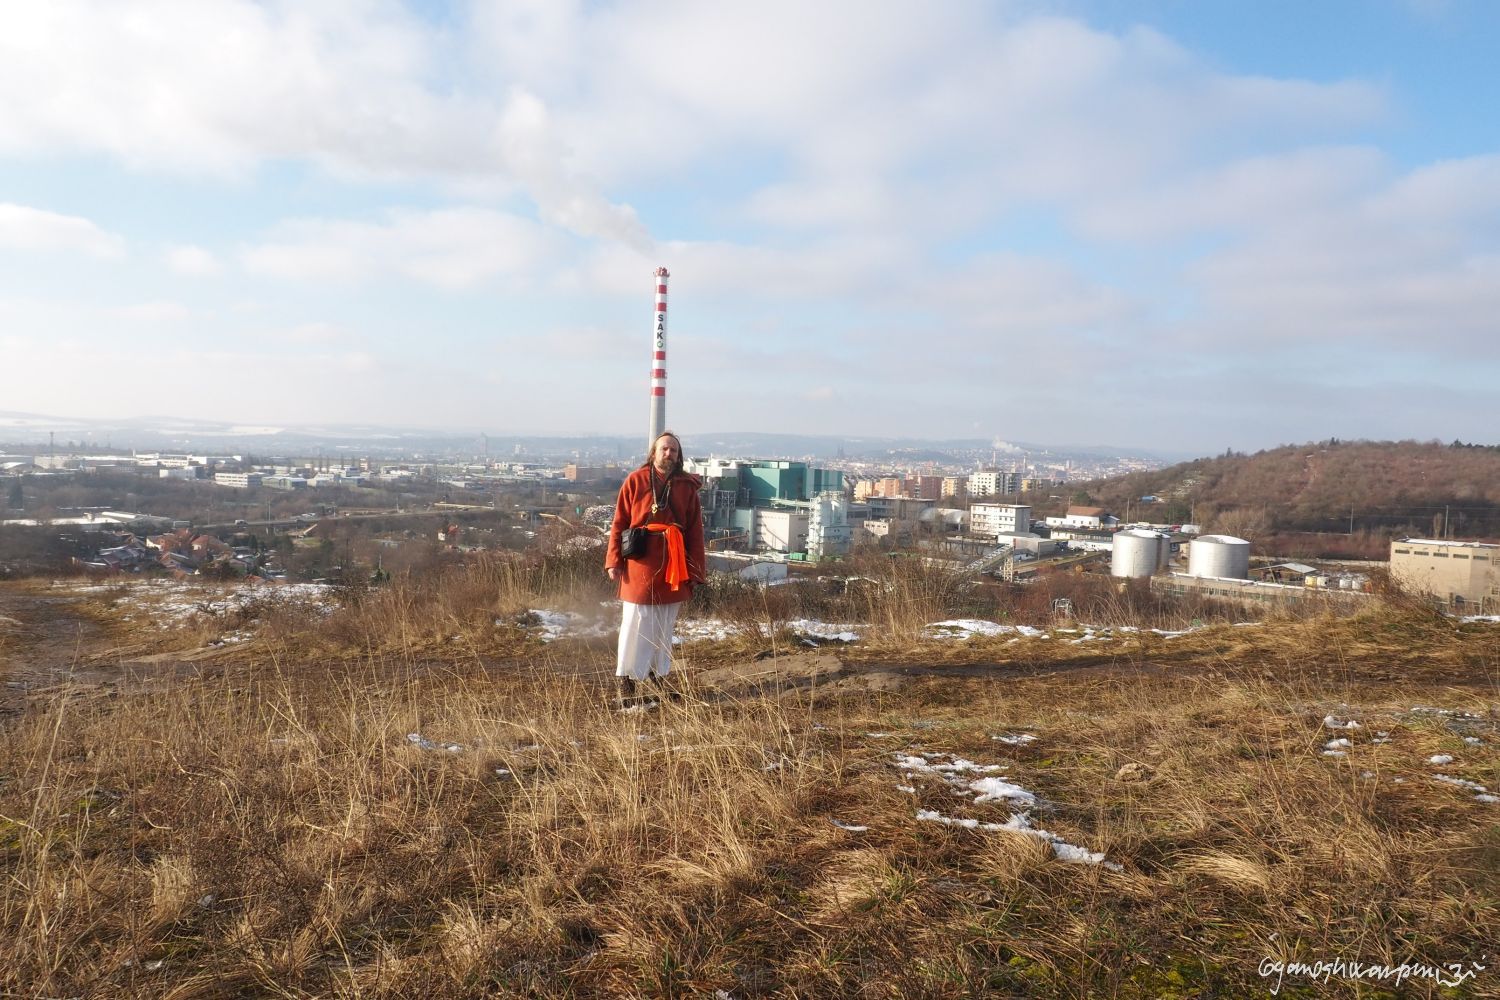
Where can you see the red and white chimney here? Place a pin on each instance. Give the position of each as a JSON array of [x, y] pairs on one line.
[[659, 360]]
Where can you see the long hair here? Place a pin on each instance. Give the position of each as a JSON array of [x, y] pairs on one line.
[[651, 452]]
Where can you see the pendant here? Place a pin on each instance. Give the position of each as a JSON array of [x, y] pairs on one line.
[[654, 508]]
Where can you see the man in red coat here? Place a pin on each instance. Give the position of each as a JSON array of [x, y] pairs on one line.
[[663, 499]]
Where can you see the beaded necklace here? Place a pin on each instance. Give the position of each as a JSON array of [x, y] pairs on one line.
[[659, 497]]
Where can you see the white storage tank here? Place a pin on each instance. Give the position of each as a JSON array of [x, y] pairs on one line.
[[1139, 553], [1221, 556]]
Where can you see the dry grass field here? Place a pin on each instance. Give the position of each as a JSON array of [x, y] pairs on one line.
[[412, 795]]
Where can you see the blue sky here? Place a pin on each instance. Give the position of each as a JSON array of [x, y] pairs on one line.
[[1161, 223]]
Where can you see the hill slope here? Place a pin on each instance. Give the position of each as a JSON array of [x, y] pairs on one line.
[[1379, 487]]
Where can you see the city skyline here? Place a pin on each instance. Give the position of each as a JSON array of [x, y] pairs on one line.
[[1149, 223]]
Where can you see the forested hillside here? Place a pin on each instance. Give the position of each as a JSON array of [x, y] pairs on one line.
[[1364, 491]]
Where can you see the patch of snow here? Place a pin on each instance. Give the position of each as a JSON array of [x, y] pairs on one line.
[[1440, 758], [703, 629], [164, 603], [556, 625], [1329, 722], [823, 630], [959, 765], [1448, 712], [851, 827], [1014, 739], [994, 789], [955, 774], [1337, 744], [967, 628], [1018, 823]]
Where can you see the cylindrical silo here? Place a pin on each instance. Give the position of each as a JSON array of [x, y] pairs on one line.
[[1222, 556], [1138, 553]]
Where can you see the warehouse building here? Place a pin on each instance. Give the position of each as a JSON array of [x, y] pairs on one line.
[[1463, 576]]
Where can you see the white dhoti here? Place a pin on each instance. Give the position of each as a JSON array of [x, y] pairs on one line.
[[645, 640]]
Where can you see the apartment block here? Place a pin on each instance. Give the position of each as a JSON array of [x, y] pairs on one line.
[[924, 487], [995, 519], [993, 482]]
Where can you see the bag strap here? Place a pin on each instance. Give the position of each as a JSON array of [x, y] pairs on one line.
[[651, 481]]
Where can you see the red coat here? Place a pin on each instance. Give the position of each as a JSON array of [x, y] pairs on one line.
[[643, 581]]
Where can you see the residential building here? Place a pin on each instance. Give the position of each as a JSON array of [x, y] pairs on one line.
[[992, 519], [575, 473], [993, 482], [907, 509], [924, 487]]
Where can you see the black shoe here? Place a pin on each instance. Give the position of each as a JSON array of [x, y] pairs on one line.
[[627, 697], [666, 689]]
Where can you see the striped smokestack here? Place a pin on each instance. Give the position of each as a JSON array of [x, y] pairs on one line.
[[659, 360]]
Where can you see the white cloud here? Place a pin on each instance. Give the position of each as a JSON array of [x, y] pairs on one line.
[[25, 228], [1250, 193], [1028, 297], [310, 333], [449, 248], [222, 86], [1413, 261], [153, 312], [192, 260]]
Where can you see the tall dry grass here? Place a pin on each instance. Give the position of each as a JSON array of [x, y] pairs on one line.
[[276, 829], [272, 830]]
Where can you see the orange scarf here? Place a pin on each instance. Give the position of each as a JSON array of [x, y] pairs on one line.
[[677, 568]]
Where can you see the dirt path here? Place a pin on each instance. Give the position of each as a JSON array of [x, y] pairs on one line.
[[44, 644]]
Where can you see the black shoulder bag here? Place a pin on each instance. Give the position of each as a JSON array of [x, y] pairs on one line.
[[632, 543]]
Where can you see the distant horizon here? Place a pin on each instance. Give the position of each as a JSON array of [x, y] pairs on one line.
[[451, 437]]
